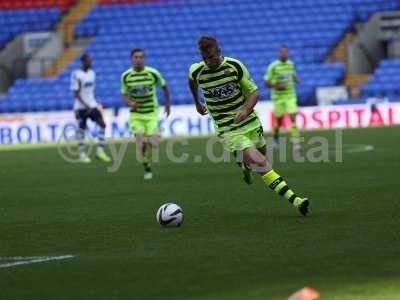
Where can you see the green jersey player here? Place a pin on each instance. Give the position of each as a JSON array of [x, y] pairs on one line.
[[138, 89], [230, 96], [281, 77]]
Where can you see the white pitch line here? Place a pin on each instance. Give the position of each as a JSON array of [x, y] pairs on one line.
[[22, 257], [32, 260], [361, 148], [355, 148]]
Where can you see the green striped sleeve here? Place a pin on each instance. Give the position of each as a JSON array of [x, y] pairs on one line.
[[194, 70], [294, 69], [245, 81], [124, 87], [269, 73], [158, 78]]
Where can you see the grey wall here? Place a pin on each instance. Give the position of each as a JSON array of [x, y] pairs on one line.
[[12, 63], [394, 48], [45, 56], [16, 59], [366, 50]]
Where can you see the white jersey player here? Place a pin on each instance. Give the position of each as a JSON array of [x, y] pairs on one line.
[[86, 107]]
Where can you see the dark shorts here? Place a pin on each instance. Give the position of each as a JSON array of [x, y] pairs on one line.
[[82, 115]]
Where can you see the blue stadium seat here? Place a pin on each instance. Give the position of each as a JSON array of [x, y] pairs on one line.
[[16, 21], [249, 30], [385, 81]]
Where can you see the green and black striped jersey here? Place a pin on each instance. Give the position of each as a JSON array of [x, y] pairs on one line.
[[225, 90], [140, 86], [282, 72]]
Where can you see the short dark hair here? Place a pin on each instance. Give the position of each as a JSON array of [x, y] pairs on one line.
[[84, 56], [136, 50], [206, 43], [284, 46]]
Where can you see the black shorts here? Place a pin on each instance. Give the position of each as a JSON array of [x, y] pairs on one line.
[[93, 114]]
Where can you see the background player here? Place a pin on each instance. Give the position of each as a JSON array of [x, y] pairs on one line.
[[138, 88], [230, 96], [86, 107], [281, 78]]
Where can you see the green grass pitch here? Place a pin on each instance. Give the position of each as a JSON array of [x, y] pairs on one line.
[[237, 241]]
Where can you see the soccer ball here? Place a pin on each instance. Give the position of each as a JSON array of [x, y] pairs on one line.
[[169, 215]]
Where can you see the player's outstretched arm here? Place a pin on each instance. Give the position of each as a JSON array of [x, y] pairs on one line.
[[278, 86], [268, 84], [167, 99], [251, 101], [270, 79], [269, 74], [79, 98], [296, 79], [194, 89], [130, 103], [76, 88]]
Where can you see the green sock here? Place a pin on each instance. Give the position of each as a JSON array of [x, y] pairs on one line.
[[147, 160], [276, 131], [294, 132], [246, 167], [275, 182]]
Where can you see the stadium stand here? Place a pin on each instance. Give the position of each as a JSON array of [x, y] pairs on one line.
[[15, 4], [385, 81], [17, 17], [16, 21], [251, 31]]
